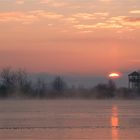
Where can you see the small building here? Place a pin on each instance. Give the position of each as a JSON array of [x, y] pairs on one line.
[[134, 80]]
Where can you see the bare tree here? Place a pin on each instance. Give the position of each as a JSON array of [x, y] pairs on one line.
[[41, 88], [105, 90], [14, 82], [58, 84], [58, 87], [8, 80]]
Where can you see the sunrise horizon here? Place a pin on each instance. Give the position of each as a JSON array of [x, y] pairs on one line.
[[70, 37], [70, 69]]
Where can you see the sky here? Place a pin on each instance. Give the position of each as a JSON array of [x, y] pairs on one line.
[[78, 37]]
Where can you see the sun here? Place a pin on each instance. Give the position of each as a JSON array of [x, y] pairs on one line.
[[114, 75]]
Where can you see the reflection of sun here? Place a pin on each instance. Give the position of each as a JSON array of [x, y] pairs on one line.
[[115, 123], [114, 118]]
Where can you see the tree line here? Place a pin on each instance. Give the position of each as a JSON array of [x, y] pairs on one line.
[[18, 84]]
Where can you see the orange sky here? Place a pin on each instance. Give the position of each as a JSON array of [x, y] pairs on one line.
[[70, 36]]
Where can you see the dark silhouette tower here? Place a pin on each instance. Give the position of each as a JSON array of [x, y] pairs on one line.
[[134, 80]]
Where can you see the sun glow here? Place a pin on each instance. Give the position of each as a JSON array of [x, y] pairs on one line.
[[114, 75]]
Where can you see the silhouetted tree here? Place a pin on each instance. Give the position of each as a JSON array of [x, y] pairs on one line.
[[3, 91], [125, 93], [105, 90], [101, 91], [8, 80], [14, 82], [41, 88], [58, 86], [23, 84], [111, 88]]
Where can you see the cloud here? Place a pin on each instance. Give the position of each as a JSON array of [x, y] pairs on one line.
[[132, 19], [64, 4], [99, 25], [85, 16], [135, 12], [104, 14], [71, 20], [90, 16], [54, 3], [28, 17], [45, 14], [16, 17], [118, 22], [82, 21], [125, 21]]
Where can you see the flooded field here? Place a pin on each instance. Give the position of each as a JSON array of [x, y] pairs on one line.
[[69, 120]]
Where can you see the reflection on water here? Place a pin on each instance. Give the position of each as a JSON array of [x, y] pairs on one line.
[[69, 120], [115, 123]]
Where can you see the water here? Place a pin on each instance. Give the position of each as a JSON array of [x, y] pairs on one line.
[[69, 120]]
